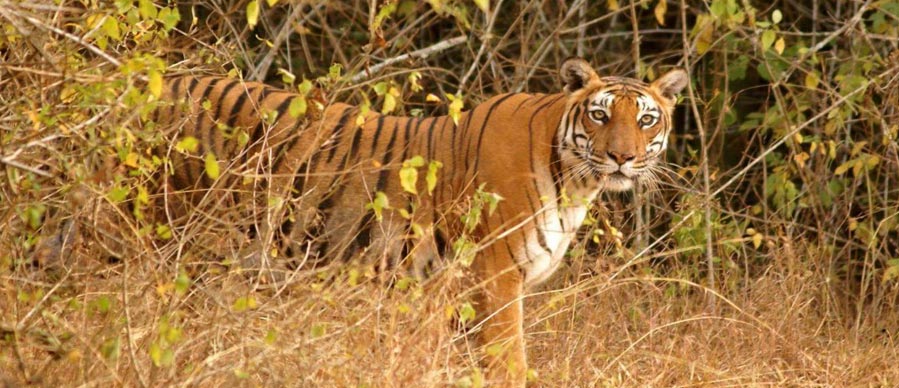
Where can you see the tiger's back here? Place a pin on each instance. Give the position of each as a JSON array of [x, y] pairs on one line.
[[325, 168]]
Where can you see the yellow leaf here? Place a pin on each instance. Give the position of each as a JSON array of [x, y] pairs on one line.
[[812, 80], [484, 5], [801, 158], [155, 83], [212, 166], [613, 5], [297, 107], [408, 178], [389, 104], [455, 109], [253, 13], [779, 46], [432, 98], [757, 240], [660, 10], [271, 3], [131, 160], [841, 169]]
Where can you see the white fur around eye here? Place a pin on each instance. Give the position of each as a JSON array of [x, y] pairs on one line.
[[599, 116]]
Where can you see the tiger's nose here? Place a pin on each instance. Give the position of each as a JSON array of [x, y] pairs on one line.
[[620, 158]]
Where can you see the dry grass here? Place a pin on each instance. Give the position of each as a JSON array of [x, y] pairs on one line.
[[783, 328], [765, 265]]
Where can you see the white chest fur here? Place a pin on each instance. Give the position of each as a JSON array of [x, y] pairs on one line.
[[556, 226]]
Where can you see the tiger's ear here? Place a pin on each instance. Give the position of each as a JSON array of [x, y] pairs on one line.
[[576, 73], [671, 84]]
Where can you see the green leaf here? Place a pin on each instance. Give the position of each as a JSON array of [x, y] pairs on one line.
[[252, 13], [244, 303], [408, 178], [305, 87], [466, 313], [334, 71], [297, 107], [317, 330], [188, 144], [182, 283], [812, 80], [110, 349], [380, 88], [212, 166], [768, 39], [118, 194], [286, 76], [111, 28], [147, 9], [378, 204], [169, 17], [384, 13], [163, 231]]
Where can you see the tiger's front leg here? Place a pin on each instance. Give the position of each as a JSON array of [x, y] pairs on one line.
[[500, 306]]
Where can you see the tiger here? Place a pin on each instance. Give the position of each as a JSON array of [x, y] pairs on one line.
[[547, 156]]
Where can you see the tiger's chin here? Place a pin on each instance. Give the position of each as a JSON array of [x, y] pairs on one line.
[[616, 181]]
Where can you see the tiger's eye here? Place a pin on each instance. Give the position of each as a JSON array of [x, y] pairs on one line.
[[598, 115], [647, 120]]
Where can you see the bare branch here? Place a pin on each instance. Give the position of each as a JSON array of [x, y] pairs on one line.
[[422, 53]]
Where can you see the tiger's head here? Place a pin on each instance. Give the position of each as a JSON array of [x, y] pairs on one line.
[[615, 130]]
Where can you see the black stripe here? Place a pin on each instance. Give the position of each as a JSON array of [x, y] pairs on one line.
[[483, 128], [189, 164], [257, 131], [555, 166], [336, 186], [234, 117], [292, 137], [335, 134], [363, 236], [531, 136], [430, 148], [520, 104], [301, 174], [406, 144], [374, 141], [218, 113], [231, 119], [388, 154]]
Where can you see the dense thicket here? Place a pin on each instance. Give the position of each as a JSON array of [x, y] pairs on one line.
[[784, 162]]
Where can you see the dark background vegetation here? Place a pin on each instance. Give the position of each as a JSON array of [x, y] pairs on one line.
[[769, 255]]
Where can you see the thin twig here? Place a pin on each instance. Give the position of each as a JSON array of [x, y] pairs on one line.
[[485, 40], [283, 34], [421, 53], [704, 155], [77, 39]]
